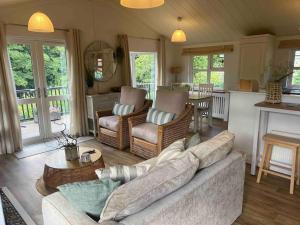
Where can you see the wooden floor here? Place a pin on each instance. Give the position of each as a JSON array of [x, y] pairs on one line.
[[268, 203]]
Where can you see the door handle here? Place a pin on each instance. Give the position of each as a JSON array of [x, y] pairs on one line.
[[45, 92]]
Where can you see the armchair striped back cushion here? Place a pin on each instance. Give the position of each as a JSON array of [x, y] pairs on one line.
[[122, 110], [159, 117]]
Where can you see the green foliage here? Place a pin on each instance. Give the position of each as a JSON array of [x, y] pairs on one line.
[[145, 68], [200, 70], [54, 64], [296, 77]]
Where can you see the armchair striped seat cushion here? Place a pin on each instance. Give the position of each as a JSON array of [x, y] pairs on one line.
[[159, 117], [122, 110]]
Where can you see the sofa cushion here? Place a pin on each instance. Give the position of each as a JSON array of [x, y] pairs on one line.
[[122, 173], [192, 141], [173, 151], [146, 131], [141, 192], [133, 96], [171, 101], [159, 117], [89, 196], [122, 110], [110, 122], [213, 150]]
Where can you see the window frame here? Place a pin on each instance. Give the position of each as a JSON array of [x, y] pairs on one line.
[[209, 69], [292, 67]]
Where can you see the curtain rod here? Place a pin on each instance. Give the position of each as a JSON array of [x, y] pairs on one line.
[[153, 39], [22, 25]]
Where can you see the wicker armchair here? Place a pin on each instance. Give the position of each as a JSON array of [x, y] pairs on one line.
[[119, 137], [166, 134]]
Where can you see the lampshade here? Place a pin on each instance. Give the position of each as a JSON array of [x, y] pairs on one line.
[[40, 22], [141, 4], [178, 36]]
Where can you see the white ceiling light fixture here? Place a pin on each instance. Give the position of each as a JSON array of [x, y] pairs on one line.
[[40, 22], [142, 4], [178, 35]]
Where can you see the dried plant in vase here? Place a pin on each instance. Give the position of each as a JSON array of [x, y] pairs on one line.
[[69, 144], [274, 86]]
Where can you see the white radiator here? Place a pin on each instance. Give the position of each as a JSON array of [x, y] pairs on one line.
[[221, 105]]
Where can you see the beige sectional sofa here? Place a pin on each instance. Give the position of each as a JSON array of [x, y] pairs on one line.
[[213, 197]]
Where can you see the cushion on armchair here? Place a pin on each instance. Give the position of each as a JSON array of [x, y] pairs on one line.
[[146, 131], [122, 110], [109, 122], [133, 96], [159, 117], [171, 101]]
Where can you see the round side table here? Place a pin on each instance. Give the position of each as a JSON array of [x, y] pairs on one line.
[[59, 171]]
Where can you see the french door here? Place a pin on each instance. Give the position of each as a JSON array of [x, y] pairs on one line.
[[144, 71], [39, 69]]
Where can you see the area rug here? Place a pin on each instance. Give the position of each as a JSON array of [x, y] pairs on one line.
[[46, 146], [14, 213]]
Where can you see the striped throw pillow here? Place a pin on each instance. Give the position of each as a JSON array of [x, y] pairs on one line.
[[159, 117], [122, 110], [173, 151], [122, 173]]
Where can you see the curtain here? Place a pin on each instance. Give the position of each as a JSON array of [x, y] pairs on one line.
[[162, 61], [10, 131], [79, 122], [126, 70]]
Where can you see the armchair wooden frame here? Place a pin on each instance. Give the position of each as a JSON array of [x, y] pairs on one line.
[[167, 134], [118, 139]]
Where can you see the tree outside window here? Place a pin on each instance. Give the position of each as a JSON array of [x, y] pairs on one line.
[[208, 69]]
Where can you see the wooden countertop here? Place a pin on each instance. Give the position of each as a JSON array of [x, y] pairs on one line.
[[282, 105]]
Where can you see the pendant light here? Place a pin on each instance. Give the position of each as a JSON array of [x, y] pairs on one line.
[[142, 4], [178, 35], [40, 22]]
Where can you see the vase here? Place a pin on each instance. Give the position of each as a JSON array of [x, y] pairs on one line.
[[273, 92], [71, 153]]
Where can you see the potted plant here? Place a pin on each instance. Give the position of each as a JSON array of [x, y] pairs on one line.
[[68, 143]]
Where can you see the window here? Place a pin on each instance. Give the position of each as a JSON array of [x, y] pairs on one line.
[[295, 80], [208, 69], [144, 71]]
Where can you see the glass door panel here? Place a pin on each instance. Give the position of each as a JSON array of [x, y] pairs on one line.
[[144, 71], [28, 95], [56, 90]]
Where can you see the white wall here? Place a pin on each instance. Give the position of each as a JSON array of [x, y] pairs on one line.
[[97, 19]]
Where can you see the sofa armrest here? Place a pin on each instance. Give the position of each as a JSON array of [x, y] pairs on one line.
[[58, 211]]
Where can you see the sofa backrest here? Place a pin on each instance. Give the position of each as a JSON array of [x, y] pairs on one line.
[[171, 101], [133, 96]]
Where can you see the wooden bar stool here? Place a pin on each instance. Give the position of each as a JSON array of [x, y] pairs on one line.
[[293, 144]]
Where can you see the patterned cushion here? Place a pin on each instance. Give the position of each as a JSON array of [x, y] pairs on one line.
[[192, 141], [122, 173], [213, 150], [159, 117], [173, 151], [141, 192], [89, 196], [122, 110]]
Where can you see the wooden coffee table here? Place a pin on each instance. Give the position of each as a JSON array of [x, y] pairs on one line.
[[59, 171]]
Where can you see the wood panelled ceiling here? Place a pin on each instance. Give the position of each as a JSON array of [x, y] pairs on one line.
[[222, 20]]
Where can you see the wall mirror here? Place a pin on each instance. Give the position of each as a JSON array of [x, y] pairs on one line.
[[99, 61]]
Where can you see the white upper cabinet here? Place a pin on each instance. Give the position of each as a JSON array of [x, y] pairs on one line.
[[256, 57]]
